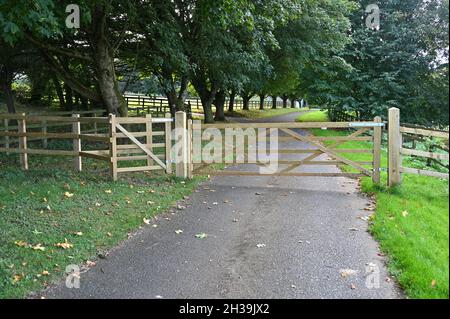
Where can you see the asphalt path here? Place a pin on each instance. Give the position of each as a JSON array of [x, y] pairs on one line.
[[267, 237]]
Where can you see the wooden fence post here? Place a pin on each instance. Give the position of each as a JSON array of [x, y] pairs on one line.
[[190, 164], [395, 145], [76, 129], [377, 136], [181, 143], [149, 137], [44, 131], [22, 126], [113, 146], [6, 123], [168, 137]]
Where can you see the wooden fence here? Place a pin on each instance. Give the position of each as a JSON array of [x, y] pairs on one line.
[[396, 136], [123, 140], [158, 106]]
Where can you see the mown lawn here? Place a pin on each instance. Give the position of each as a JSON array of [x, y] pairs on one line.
[[52, 216], [259, 114], [412, 225]]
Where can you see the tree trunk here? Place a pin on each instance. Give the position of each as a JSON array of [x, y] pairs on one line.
[[207, 96], [261, 101], [274, 102], [293, 103], [219, 102], [59, 92], [245, 101], [285, 99], [7, 89], [68, 97], [104, 64], [231, 104]]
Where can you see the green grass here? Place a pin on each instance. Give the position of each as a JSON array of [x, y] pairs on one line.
[[416, 242], [260, 114], [314, 116], [35, 209]]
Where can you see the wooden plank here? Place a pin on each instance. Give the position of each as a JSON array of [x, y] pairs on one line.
[[76, 130], [437, 156], [40, 135], [328, 151], [181, 143], [395, 145], [138, 157], [311, 163], [135, 141], [38, 151], [149, 137], [139, 169], [113, 146], [99, 155], [424, 172], [242, 173], [97, 137], [284, 125], [23, 143], [190, 164], [131, 120], [342, 138], [377, 136], [6, 123], [168, 143], [423, 132]]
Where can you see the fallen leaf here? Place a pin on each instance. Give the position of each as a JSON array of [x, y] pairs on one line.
[[45, 273], [354, 229], [108, 191], [64, 245], [68, 195], [20, 243], [178, 231], [79, 233], [347, 272], [201, 235], [405, 213], [146, 221], [90, 263], [17, 278], [150, 202], [260, 245], [433, 283], [353, 287], [38, 247]]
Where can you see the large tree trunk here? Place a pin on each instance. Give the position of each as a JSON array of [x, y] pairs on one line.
[[207, 96], [285, 100], [6, 83], [68, 97], [232, 99], [246, 97], [274, 102], [104, 65], [219, 102], [293, 103], [261, 101]]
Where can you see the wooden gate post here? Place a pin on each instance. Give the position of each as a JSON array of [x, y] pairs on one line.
[[22, 126], [149, 137], [395, 145], [76, 129], [6, 123], [180, 145], [190, 164], [168, 137], [113, 146], [377, 136]]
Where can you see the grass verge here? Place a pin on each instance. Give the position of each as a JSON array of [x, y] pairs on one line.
[[52, 216], [314, 116], [411, 224]]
